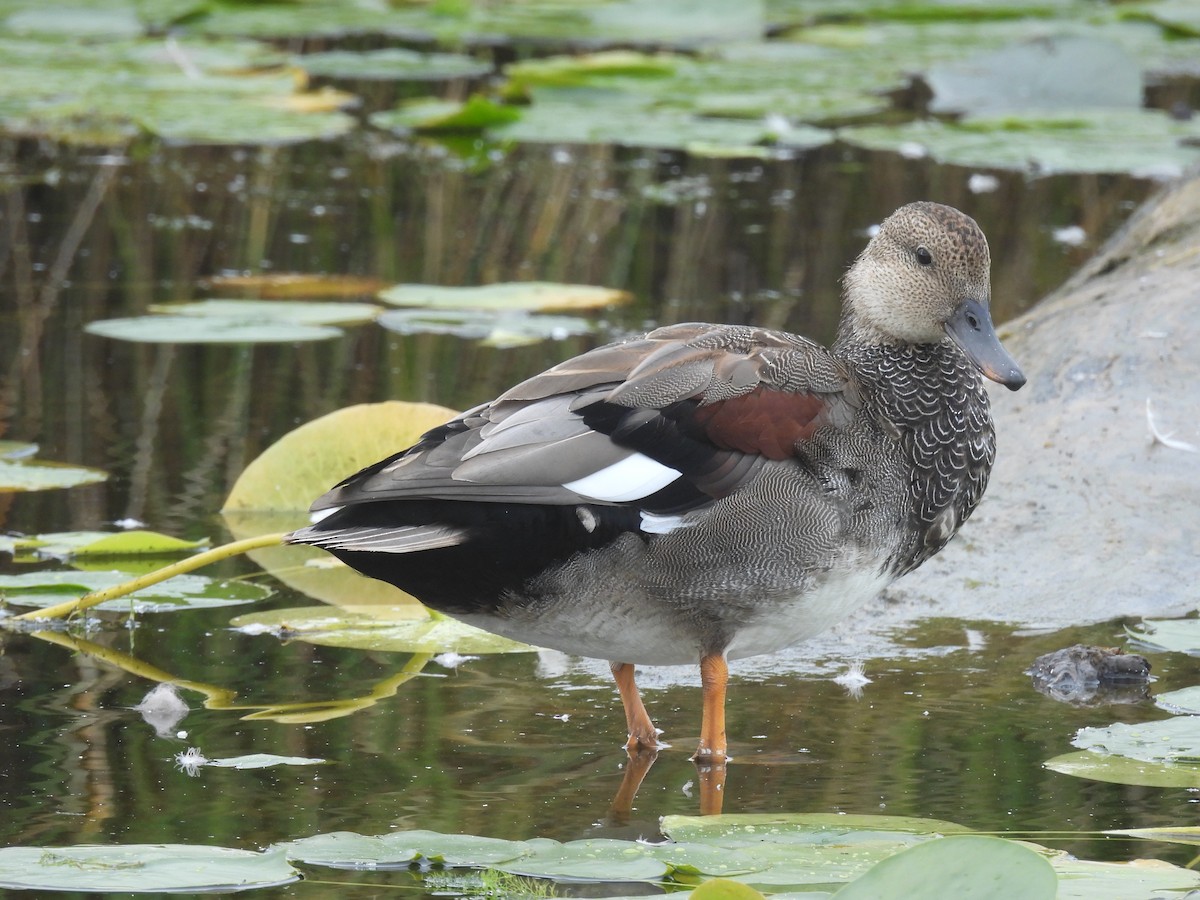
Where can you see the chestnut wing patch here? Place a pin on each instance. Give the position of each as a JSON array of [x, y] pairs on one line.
[[766, 422]]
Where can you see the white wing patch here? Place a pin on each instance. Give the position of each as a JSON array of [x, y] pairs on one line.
[[632, 478], [656, 524]]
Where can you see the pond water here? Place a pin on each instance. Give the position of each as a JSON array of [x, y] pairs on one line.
[[512, 746]]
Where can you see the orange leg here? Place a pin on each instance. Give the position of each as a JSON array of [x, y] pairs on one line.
[[642, 733], [714, 676]]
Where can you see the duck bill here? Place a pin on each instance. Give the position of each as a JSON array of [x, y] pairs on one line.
[[971, 328]]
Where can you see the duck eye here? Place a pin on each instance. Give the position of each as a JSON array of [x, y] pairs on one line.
[[924, 257]]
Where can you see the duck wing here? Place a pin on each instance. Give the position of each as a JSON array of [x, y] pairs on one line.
[[665, 423]]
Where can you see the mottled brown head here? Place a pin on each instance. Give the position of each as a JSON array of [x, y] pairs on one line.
[[925, 277]]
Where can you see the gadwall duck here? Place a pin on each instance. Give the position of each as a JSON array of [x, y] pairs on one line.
[[704, 492]]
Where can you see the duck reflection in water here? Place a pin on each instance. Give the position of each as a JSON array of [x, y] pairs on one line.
[[703, 492]]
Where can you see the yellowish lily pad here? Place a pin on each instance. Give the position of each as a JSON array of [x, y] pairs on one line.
[[373, 629], [532, 296]]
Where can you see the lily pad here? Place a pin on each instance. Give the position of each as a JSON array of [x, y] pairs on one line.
[[303, 464], [142, 868], [1174, 740], [589, 68], [46, 476], [1185, 701], [446, 116], [371, 629], [251, 761], [1123, 770], [295, 285], [117, 86], [235, 329], [598, 859], [392, 64], [490, 328], [1147, 143], [72, 544], [802, 827], [963, 867], [42, 589], [399, 849], [1179, 635], [530, 296], [287, 311]]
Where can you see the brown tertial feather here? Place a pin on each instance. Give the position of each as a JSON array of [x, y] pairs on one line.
[[767, 422]]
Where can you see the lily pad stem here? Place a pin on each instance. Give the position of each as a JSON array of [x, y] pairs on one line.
[[216, 554]]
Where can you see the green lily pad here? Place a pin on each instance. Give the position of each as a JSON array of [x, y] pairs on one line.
[[399, 849], [1174, 834], [490, 328], [392, 64], [1080, 879], [209, 329], [303, 464], [1185, 701], [73, 544], [1123, 770], [42, 589], [963, 867], [1147, 142], [798, 827], [20, 470], [590, 68], [298, 312], [1174, 740], [1070, 72], [221, 92], [1179, 635], [724, 889], [530, 296], [598, 859], [446, 116], [142, 868], [395, 631]]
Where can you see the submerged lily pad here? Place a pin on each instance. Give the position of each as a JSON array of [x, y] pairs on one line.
[[209, 329], [142, 868], [530, 296], [42, 589], [334, 627], [297, 312]]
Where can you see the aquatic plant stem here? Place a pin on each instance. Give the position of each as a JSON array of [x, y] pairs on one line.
[[216, 554]]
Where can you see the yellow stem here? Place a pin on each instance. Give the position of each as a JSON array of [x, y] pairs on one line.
[[216, 554]]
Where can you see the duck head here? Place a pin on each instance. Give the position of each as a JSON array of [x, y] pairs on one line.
[[924, 278]]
